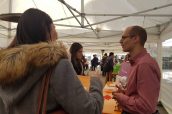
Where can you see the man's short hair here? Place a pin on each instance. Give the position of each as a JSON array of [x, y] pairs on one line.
[[141, 32], [111, 53]]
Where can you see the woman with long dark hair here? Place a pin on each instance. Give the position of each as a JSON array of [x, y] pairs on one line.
[[25, 62], [76, 51]]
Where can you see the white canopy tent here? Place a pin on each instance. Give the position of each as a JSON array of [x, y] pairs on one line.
[[98, 24]]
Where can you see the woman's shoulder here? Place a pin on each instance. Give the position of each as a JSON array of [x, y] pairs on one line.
[[63, 63]]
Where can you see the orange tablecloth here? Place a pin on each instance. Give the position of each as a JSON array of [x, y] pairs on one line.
[[109, 104], [85, 80]]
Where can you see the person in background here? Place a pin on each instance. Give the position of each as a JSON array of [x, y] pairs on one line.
[[103, 61], [85, 63], [123, 72], [76, 51], [143, 86], [125, 67], [94, 62], [25, 62], [108, 68], [117, 66]]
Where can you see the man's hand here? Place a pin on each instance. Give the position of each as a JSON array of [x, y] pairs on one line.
[[117, 91]]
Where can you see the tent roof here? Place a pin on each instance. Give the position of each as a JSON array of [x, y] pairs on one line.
[[97, 24]]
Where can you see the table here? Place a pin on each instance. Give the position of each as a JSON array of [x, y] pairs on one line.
[[85, 80], [109, 105]]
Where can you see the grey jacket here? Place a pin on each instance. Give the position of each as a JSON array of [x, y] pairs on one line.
[[19, 92]]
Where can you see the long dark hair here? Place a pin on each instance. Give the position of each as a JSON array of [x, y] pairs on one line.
[[34, 26], [77, 64], [75, 47]]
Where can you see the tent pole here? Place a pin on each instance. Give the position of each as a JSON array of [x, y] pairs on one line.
[[91, 27], [144, 11], [68, 6], [68, 25], [9, 23], [62, 19], [166, 25], [135, 15], [159, 50], [4, 35], [160, 62], [82, 12], [3, 27], [74, 16], [159, 53]]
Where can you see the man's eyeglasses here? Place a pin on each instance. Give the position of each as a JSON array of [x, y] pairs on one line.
[[129, 36]]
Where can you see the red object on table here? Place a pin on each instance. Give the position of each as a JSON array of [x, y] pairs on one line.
[[107, 97]]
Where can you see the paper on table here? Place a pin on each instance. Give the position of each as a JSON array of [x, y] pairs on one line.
[[112, 85], [110, 88]]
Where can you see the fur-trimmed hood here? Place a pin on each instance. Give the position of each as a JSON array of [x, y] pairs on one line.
[[16, 62]]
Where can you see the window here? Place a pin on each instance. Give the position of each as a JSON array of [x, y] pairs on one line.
[[167, 59]]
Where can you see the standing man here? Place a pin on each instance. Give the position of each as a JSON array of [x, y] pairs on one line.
[[94, 62], [142, 91], [103, 62], [108, 68]]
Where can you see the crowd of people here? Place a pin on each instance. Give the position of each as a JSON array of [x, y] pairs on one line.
[[34, 54]]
